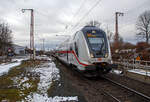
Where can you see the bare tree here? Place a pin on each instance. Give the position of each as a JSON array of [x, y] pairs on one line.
[[143, 26], [5, 37]]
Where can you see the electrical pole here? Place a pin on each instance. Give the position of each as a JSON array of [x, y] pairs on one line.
[[43, 45], [31, 33], [116, 38]]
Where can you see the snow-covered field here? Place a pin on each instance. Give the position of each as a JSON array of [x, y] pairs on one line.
[[48, 72], [5, 67]]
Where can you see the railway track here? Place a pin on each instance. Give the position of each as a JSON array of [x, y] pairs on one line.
[[116, 92], [145, 97], [101, 91], [110, 95], [111, 91]]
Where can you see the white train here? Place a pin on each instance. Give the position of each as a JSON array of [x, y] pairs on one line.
[[88, 51]]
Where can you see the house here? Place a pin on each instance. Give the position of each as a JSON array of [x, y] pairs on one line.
[[19, 50]]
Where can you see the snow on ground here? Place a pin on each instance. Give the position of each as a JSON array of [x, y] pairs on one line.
[[43, 57], [116, 71], [140, 71], [21, 83], [4, 68], [48, 72], [41, 98], [19, 60]]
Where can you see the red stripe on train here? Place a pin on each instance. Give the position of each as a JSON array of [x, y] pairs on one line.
[[74, 56]]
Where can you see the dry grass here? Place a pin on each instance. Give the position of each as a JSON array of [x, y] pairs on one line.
[[10, 90]]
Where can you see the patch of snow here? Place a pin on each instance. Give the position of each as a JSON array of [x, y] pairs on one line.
[[59, 84], [35, 97], [21, 82], [140, 71], [41, 98], [16, 81], [24, 80], [116, 71], [3, 64], [5, 68], [18, 60], [26, 85], [45, 78], [48, 72], [43, 57]]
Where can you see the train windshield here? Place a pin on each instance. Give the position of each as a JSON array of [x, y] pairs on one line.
[[97, 44], [97, 41]]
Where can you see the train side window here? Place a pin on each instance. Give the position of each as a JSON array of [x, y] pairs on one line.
[[76, 48], [70, 48]]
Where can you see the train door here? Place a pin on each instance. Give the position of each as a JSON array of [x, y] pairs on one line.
[[75, 49]]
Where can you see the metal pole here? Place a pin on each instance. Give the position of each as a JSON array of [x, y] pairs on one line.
[[116, 28], [43, 45], [31, 33]]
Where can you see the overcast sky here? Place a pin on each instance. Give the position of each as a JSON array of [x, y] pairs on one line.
[[52, 17]]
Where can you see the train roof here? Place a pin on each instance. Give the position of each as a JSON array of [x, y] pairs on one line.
[[87, 28]]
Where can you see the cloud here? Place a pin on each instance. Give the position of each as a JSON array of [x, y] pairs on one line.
[[52, 16]]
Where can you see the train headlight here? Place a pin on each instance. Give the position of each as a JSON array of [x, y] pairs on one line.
[[106, 55], [91, 55]]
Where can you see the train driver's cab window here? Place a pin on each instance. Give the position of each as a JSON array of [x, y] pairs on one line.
[[97, 41], [76, 48]]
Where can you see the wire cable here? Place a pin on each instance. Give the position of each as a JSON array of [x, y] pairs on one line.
[[79, 9], [86, 14]]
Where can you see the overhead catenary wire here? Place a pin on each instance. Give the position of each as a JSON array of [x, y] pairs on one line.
[[87, 13], [76, 13], [78, 10]]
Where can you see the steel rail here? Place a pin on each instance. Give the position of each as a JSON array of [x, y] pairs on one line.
[[125, 87], [110, 95], [103, 92], [87, 81]]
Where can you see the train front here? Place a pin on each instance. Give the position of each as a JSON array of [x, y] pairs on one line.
[[99, 51]]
